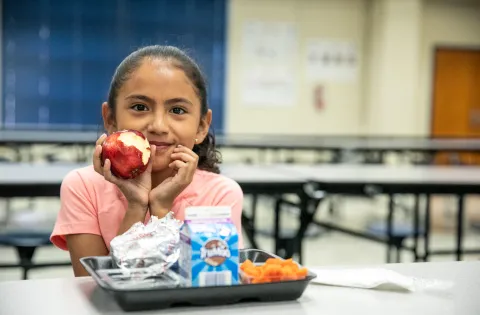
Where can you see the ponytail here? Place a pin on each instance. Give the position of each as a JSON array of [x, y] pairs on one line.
[[208, 155]]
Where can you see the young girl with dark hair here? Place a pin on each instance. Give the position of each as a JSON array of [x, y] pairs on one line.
[[161, 92]]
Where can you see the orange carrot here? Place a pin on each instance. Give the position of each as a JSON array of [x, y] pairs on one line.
[[273, 270]]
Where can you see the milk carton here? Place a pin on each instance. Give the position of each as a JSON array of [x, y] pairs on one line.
[[209, 247]]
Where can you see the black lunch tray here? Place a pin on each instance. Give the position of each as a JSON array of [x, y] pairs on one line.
[[150, 296]]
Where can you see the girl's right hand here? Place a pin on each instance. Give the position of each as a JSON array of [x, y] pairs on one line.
[[135, 190]]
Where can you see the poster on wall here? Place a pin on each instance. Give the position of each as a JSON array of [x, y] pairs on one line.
[[331, 60], [268, 64]]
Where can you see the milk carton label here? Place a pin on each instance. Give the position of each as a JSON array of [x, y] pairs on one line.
[[209, 254], [215, 252]]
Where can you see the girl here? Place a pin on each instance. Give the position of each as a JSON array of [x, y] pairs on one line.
[[161, 92]]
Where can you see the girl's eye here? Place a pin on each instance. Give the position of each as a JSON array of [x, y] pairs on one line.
[[139, 107], [178, 111]]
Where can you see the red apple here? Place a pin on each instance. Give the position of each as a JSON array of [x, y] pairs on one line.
[[128, 152]]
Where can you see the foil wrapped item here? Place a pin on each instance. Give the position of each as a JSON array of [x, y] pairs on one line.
[[148, 250]]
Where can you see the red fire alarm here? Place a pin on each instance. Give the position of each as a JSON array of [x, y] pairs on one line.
[[318, 95]]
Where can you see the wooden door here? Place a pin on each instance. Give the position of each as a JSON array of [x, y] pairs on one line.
[[456, 99]]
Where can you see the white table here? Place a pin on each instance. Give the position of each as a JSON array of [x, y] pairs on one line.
[[386, 174], [455, 178], [392, 180], [341, 146], [44, 180], [82, 296], [316, 142]]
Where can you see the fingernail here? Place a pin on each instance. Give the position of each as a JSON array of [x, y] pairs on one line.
[[178, 146]]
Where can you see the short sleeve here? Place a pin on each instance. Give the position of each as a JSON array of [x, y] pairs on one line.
[[231, 195], [77, 214]]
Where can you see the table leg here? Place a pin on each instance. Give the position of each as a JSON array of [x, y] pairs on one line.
[[381, 157], [306, 217], [460, 211], [291, 156], [254, 212], [399, 254], [336, 156], [248, 228], [427, 228], [25, 254], [249, 223], [416, 228], [391, 205], [276, 230]]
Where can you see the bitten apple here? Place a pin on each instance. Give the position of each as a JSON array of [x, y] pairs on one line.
[[128, 152]]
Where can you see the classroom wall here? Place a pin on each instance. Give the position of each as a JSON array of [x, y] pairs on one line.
[[339, 19], [392, 92], [1, 63], [393, 55]]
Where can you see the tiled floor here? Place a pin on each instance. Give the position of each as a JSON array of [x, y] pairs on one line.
[[328, 249]]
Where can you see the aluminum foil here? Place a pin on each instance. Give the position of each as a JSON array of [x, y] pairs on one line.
[[148, 250]]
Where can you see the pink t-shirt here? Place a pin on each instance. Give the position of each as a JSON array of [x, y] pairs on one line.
[[92, 205]]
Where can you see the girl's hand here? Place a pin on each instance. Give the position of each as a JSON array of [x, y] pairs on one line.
[[184, 164], [135, 190]]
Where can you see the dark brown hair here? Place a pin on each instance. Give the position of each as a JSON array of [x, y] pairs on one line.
[[209, 156]]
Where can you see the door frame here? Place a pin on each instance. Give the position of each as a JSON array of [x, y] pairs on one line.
[[434, 51]]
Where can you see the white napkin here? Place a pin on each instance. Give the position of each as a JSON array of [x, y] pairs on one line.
[[379, 279]]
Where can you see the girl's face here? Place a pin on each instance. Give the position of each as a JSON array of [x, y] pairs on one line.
[[159, 100]]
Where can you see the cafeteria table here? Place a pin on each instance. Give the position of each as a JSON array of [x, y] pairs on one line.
[[338, 145], [82, 296], [397, 180], [44, 180], [27, 180], [259, 141]]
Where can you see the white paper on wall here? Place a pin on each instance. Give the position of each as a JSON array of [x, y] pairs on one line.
[[331, 60], [269, 57]]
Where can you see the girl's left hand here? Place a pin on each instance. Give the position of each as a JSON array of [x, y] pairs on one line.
[[184, 164]]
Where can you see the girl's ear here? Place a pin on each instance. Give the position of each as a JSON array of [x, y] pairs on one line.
[[204, 126], [108, 118]]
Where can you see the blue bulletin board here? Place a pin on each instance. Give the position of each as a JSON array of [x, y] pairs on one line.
[[58, 57]]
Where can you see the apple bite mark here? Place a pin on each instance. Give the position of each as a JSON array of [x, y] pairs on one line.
[[128, 152], [130, 139]]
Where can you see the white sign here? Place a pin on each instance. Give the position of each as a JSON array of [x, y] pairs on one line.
[[331, 60], [268, 64]]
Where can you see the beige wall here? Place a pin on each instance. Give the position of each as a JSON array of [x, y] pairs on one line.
[[383, 99], [343, 19], [394, 40]]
